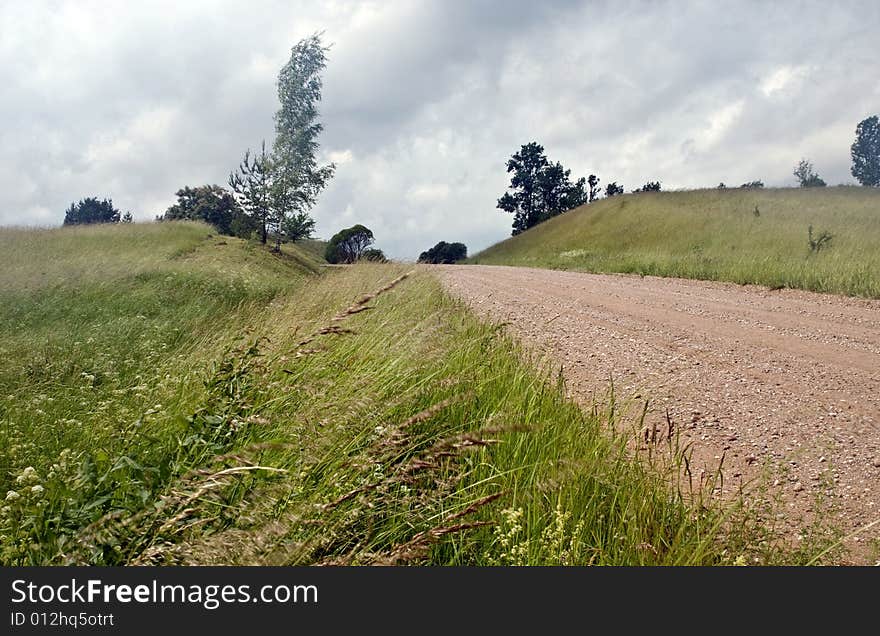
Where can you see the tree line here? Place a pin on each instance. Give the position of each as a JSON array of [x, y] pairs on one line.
[[541, 189], [271, 191]]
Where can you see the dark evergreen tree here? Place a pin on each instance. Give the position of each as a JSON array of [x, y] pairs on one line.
[[612, 189], [593, 182], [91, 210], [651, 186], [252, 185]]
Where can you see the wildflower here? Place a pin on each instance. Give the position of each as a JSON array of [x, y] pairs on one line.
[[37, 490], [28, 476], [12, 495]]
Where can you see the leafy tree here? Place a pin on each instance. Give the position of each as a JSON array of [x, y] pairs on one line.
[[576, 194], [612, 189], [557, 192], [212, 204], [865, 152], [374, 255], [651, 186], [297, 226], [539, 189], [806, 176], [444, 252], [525, 203], [348, 245], [252, 185], [297, 178], [593, 182], [751, 185], [91, 210], [127, 218], [277, 189]]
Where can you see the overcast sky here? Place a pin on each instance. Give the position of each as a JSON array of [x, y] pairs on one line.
[[424, 101]]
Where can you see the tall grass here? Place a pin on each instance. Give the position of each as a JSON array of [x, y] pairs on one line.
[[743, 236], [222, 405]]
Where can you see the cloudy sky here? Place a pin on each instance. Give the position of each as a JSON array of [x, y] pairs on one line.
[[424, 101]]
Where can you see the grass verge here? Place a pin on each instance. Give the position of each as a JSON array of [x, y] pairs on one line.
[[194, 411]]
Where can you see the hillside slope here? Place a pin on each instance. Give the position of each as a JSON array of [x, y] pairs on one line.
[[170, 396], [100, 324], [743, 236]]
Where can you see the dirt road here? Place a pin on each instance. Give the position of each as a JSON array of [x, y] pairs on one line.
[[784, 384]]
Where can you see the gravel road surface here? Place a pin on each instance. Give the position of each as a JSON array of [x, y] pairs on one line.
[[783, 384]]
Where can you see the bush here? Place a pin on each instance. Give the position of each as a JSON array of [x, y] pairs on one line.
[[374, 255], [806, 175], [213, 205], [444, 252], [651, 186], [91, 210]]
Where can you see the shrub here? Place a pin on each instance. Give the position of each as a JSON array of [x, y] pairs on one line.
[[444, 252], [91, 210]]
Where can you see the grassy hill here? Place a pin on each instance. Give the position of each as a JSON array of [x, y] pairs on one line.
[[715, 235], [168, 395]]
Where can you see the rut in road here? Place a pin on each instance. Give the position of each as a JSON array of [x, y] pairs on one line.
[[783, 384]]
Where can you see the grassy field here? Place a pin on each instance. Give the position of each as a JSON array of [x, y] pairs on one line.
[[743, 236], [171, 396]]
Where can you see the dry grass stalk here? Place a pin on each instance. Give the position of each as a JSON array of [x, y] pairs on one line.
[[475, 506], [428, 413], [417, 547], [359, 306]]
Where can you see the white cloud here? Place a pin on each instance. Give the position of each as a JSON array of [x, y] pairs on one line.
[[427, 193], [424, 102], [720, 123], [784, 79], [341, 157]]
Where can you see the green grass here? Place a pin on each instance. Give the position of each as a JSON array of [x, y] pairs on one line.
[[715, 235], [196, 399]]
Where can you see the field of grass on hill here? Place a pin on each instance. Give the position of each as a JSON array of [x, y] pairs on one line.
[[169, 396], [744, 236]]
